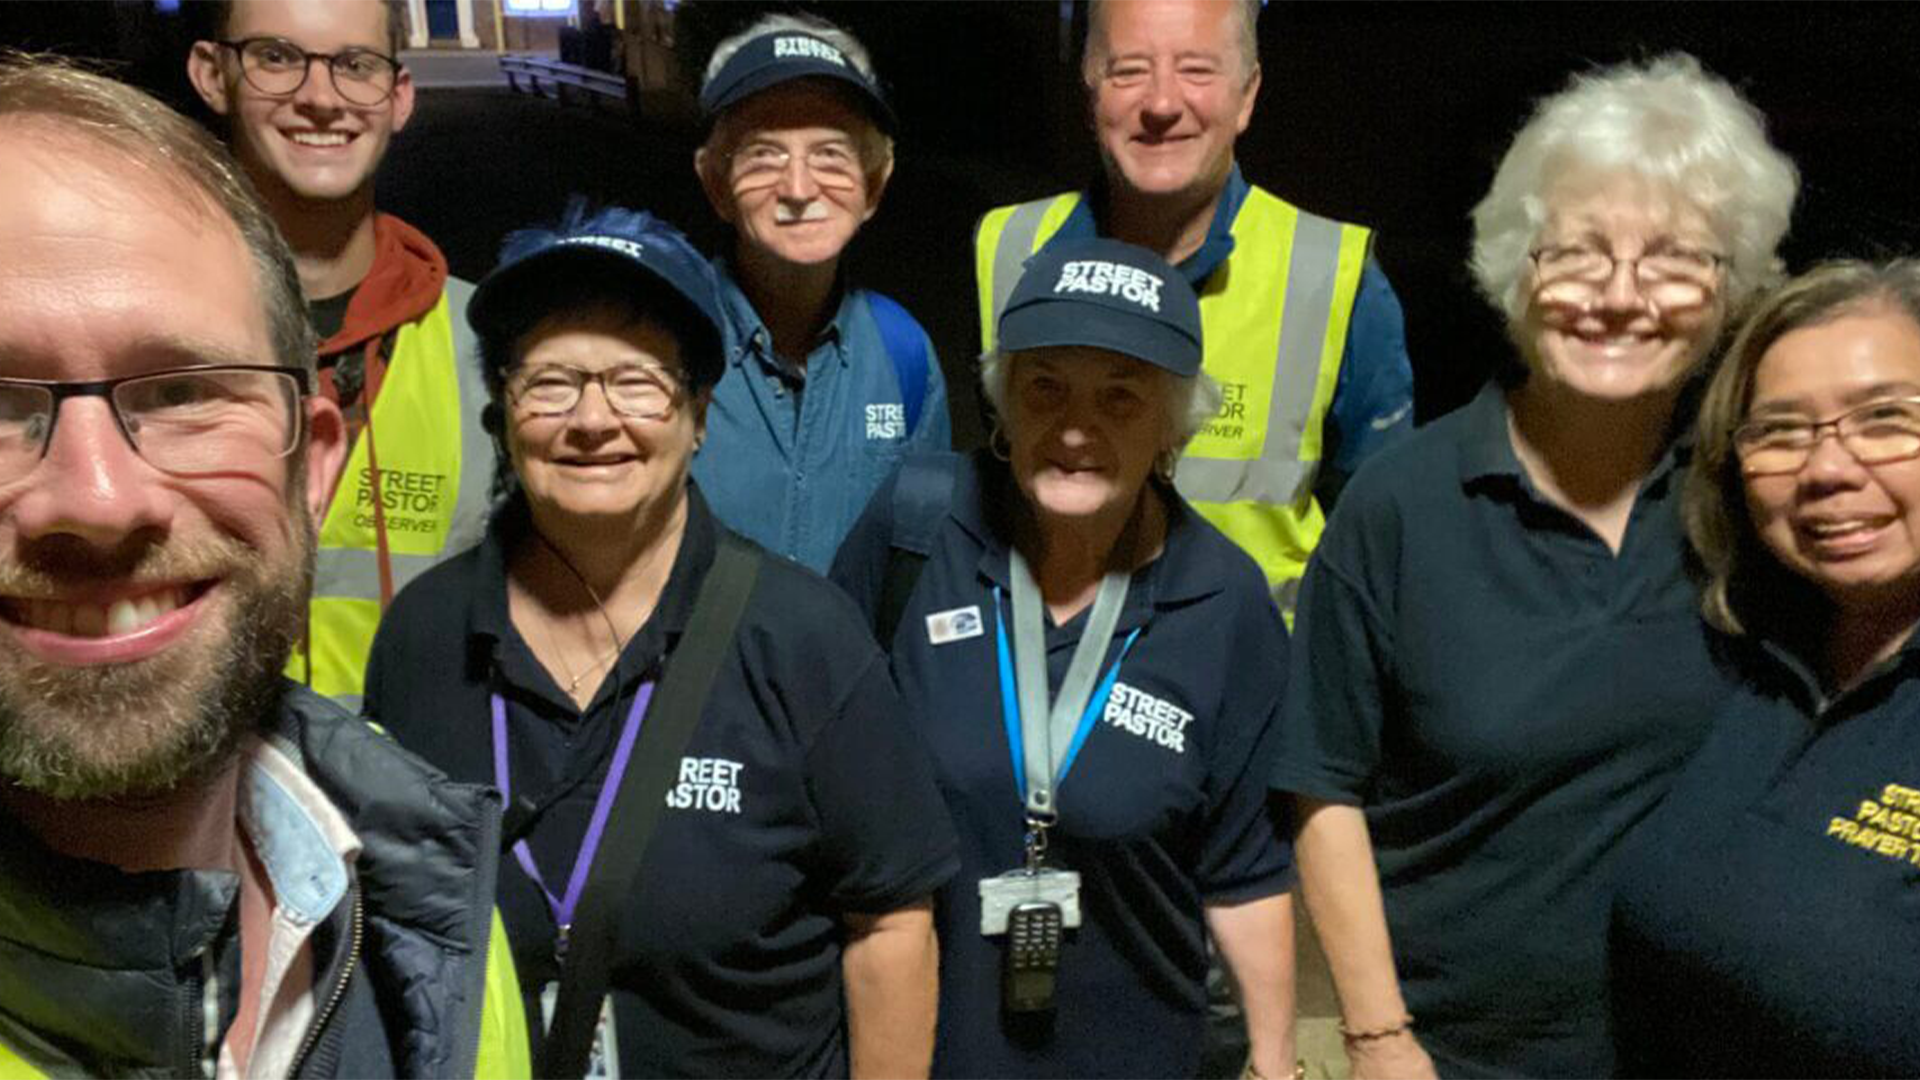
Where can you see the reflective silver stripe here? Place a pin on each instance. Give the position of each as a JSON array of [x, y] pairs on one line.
[[472, 501], [1278, 477], [1016, 245], [354, 573]]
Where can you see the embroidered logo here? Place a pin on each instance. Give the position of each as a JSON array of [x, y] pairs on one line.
[[707, 783], [1102, 278], [1887, 824], [1137, 712], [886, 422], [806, 48]]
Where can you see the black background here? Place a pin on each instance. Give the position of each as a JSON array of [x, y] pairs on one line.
[[1389, 114]]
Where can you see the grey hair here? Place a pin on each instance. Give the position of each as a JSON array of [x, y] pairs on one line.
[[1667, 121], [791, 23], [1093, 53], [172, 150], [1195, 400]]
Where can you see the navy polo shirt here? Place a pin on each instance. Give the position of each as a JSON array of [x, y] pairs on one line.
[[1372, 403], [1507, 698], [792, 456], [802, 799], [1163, 811], [1768, 918]]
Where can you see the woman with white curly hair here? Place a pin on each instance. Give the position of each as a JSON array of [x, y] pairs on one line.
[[1499, 663]]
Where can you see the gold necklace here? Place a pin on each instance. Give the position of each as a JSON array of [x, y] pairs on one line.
[[573, 680]]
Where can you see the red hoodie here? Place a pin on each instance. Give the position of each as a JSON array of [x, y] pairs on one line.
[[406, 281]]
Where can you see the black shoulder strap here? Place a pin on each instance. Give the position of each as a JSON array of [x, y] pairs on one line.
[[921, 494], [670, 721]]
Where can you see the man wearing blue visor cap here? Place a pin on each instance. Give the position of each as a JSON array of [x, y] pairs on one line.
[[826, 385]]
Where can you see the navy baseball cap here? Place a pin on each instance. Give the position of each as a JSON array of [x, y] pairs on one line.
[[780, 56], [542, 269], [1106, 295]]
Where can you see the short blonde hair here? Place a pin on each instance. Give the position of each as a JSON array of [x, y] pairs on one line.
[[1666, 121], [1744, 580], [173, 151]]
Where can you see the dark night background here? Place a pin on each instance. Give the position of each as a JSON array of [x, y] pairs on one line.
[[1389, 114]]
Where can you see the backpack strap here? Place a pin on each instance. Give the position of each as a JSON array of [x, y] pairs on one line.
[[922, 492], [906, 346], [669, 724]]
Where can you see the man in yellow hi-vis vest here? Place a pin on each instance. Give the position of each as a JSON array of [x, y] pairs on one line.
[[311, 92], [205, 869], [1302, 330]]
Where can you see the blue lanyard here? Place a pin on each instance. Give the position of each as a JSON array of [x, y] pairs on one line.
[[1010, 702]]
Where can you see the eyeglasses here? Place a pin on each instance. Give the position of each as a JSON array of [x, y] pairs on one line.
[[193, 421], [1672, 278], [1876, 433], [762, 164], [633, 390], [277, 66]]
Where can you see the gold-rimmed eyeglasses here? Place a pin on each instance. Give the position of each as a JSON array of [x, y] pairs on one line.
[[189, 421], [1672, 277], [1876, 433], [640, 391], [278, 67]]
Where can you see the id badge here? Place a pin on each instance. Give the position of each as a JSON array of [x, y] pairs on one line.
[[1000, 895], [604, 1062]]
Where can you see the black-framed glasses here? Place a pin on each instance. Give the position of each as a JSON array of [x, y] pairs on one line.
[[190, 421], [1876, 433], [640, 391], [278, 67], [1674, 277]]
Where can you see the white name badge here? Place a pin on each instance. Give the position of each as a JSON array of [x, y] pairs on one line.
[[1000, 895], [958, 624], [604, 1062]]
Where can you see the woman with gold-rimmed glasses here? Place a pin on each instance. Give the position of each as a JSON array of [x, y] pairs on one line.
[[1498, 660], [1765, 921], [778, 923]]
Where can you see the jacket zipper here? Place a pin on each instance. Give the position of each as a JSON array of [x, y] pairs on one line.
[[339, 990]]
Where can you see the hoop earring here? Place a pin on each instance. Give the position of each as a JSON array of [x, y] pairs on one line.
[[998, 444], [1163, 465]]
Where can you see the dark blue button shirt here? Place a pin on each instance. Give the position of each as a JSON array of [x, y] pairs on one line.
[[1164, 810], [800, 799], [791, 457], [1768, 921], [1373, 397], [1507, 698]]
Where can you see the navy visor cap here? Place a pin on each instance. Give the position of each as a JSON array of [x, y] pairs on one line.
[[782, 55], [541, 268], [1104, 294]]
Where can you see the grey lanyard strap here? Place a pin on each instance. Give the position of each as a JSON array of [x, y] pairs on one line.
[[1046, 733]]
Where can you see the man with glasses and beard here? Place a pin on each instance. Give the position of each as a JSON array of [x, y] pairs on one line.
[[310, 93], [204, 869]]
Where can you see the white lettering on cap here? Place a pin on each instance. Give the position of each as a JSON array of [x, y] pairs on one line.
[[1102, 278], [612, 243], [807, 48]]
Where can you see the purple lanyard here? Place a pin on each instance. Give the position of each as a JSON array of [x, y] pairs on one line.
[[563, 907]]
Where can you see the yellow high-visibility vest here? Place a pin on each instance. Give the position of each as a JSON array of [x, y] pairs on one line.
[[435, 471], [1274, 320]]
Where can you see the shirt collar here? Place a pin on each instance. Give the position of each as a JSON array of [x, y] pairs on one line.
[[1083, 224], [1487, 450], [302, 840], [750, 333]]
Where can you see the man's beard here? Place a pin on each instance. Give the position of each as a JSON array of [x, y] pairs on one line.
[[147, 727]]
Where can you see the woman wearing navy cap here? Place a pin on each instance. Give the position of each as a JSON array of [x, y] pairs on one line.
[[777, 921], [1768, 923], [1097, 671]]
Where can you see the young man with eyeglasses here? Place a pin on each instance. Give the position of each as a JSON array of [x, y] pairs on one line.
[[205, 870], [827, 386], [311, 93]]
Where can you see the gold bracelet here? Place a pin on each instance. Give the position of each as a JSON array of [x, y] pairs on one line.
[[1404, 1025], [1251, 1073]]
